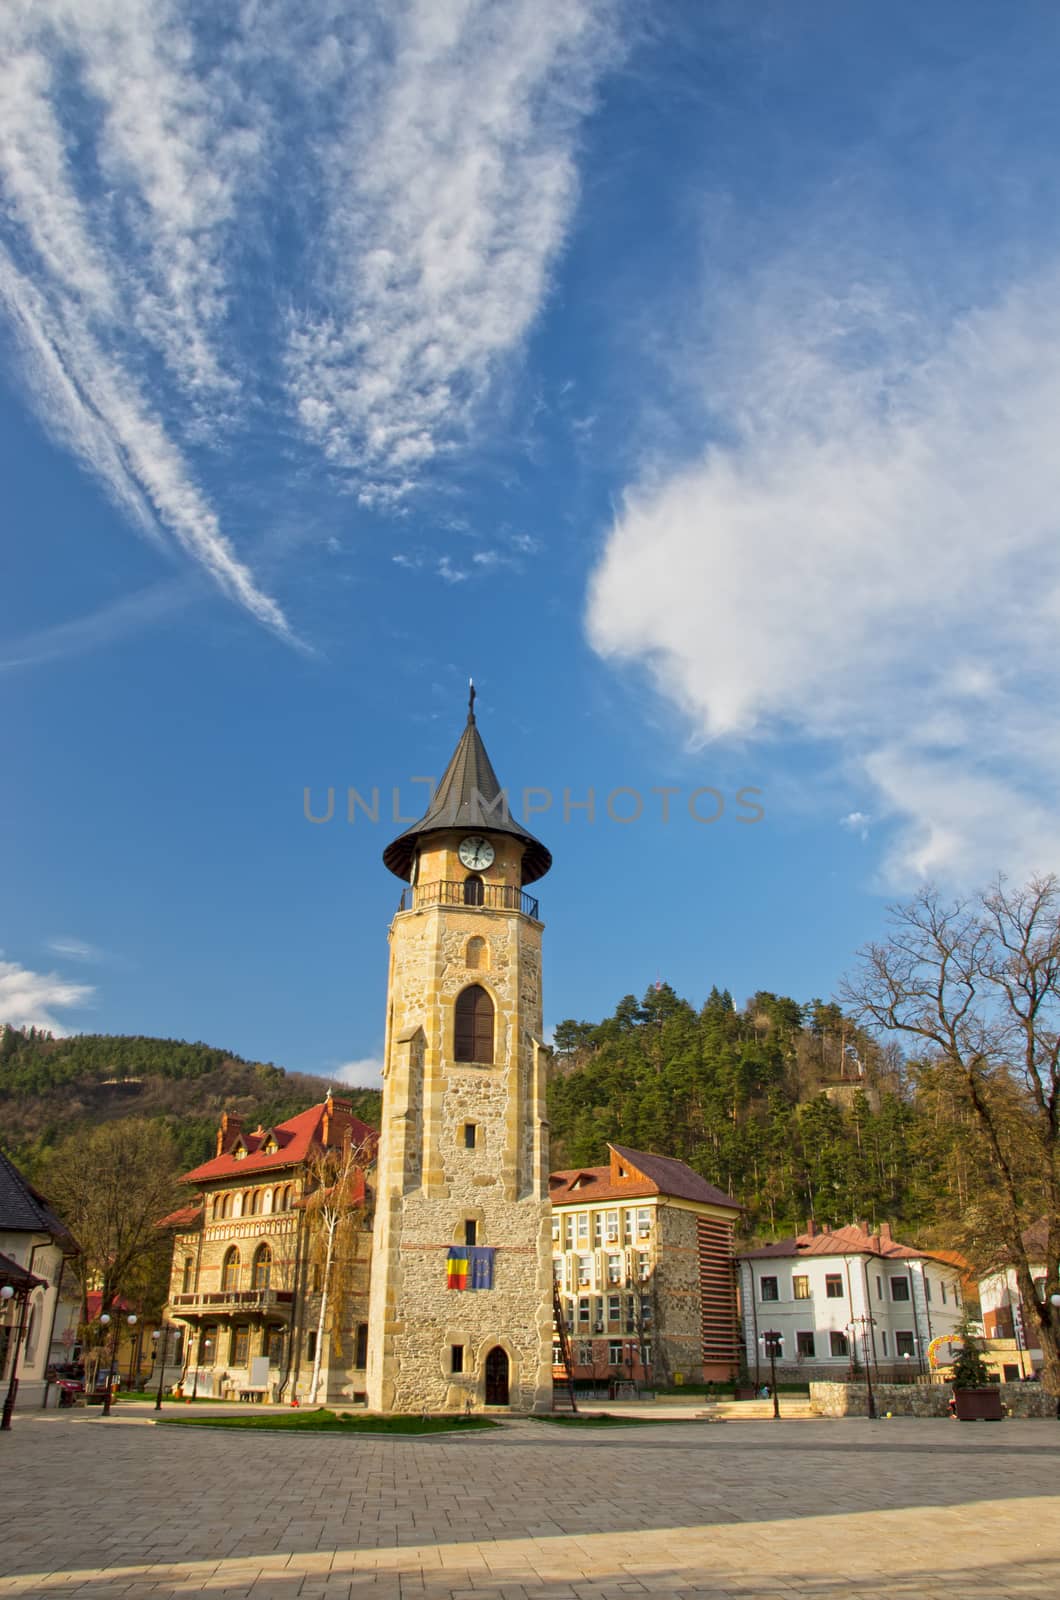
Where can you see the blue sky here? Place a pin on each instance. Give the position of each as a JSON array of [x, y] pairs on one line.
[[688, 374]]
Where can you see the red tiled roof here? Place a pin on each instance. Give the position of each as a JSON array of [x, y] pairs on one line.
[[94, 1304], [645, 1175], [296, 1138], [184, 1218], [849, 1241]]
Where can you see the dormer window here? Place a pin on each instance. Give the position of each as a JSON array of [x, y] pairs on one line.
[[240, 1152]]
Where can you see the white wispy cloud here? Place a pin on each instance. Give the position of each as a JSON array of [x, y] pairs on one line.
[[76, 949], [108, 623], [30, 999], [74, 290], [452, 180], [364, 1073], [348, 213], [869, 555]]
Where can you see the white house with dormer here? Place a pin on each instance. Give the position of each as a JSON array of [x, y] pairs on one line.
[[844, 1299]]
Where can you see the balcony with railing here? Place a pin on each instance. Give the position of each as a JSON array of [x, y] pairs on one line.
[[471, 893], [222, 1300]]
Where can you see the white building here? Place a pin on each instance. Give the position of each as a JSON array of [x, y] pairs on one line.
[[844, 1299], [1014, 1347], [35, 1253]]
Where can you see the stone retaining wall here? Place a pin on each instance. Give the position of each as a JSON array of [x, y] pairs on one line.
[[921, 1399]]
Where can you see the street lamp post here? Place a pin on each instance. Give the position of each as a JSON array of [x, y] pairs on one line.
[[134, 1352], [161, 1338], [7, 1294], [864, 1324], [108, 1392], [773, 1347]]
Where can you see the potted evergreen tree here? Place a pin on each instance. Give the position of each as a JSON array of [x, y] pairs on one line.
[[975, 1398]]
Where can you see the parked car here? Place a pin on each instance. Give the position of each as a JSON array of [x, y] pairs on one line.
[[69, 1370]]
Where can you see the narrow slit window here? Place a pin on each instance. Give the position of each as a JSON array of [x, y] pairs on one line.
[[470, 1231], [469, 1135], [456, 1358]]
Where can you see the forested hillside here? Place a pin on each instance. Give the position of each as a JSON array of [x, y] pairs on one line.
[[789, 1107], [51, 1087]]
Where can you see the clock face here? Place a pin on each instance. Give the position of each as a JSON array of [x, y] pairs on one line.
[[476, 853]]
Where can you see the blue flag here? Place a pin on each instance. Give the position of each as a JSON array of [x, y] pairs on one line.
[[480, 1275]]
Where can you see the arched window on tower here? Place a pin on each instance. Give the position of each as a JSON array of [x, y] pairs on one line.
[[262, 1267], [474, 893], [230, 1270], [473, 1025]]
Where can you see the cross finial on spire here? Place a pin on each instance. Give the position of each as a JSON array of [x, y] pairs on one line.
[[471, 700]]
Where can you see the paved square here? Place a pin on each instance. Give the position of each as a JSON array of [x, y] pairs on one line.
[[906, 1509]]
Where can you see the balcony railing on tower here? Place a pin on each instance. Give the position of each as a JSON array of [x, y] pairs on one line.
[[471, 892]]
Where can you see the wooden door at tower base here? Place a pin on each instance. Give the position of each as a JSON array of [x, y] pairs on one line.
[[497, 1377]]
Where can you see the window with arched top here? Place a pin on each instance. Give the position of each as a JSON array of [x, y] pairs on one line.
[[262, 1267], [474, 893], [187, 1276], [237, 1206], [476, 957], [230, 1269], [215, 1210], [473, 1025], [226, 1206], [266, 1204], [255, 1203]]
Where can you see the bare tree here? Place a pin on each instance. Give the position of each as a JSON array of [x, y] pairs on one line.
[[111, 1184], [977, 984], [335, 1203]]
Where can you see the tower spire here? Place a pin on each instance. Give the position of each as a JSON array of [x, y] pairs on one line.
[[471, 701]]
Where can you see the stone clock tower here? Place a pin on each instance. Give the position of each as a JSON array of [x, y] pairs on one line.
[[463, 1157]]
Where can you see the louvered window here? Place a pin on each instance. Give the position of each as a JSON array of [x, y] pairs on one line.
[[473, 1025]]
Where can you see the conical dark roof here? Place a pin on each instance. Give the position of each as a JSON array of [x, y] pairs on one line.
[[469, 796]]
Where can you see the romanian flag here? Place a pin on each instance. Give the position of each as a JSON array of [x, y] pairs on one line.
[[456, 1267]]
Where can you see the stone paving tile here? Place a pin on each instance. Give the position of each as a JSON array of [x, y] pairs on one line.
[[908, 1510]]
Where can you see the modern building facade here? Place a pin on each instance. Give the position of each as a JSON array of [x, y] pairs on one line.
[[460, 1311], [642, 1259], [844, 1299], [247, 1273]]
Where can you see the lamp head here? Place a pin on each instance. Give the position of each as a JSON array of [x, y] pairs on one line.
[[7, 1293], [105, 1319]]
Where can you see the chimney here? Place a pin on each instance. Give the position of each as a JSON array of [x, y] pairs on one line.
[[885, 1233], [229, 1131], [811, 1228]]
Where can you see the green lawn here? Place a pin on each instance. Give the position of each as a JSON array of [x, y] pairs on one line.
[[167, 1399], [324, 1421]]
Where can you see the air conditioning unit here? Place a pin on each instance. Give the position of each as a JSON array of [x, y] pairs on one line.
[[598, 1327]]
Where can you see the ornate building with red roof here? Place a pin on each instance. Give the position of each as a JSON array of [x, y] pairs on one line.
[[246, 1278]]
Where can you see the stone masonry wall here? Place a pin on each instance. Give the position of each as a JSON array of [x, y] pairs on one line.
[[500, 1183], [921, 1399]]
